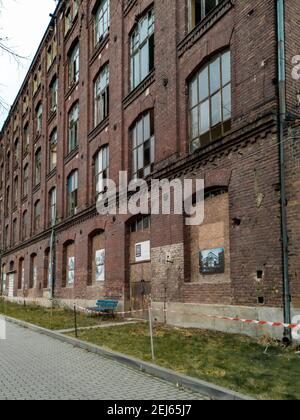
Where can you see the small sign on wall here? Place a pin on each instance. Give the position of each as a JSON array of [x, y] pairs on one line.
[[212, 261], [142, 251]]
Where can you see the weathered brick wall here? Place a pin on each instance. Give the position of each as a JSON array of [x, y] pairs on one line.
[[246, 161]]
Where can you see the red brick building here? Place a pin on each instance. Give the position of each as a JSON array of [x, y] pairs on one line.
[[167, 89]]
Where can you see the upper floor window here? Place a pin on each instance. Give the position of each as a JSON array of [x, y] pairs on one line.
[[50, 56], [25, 180], [53, 95], [101, 21], [73, 127], [17, 152], [16, 191], [39, 119], [198, 9], [26, 135], [101, 101], [142, 49], [74, 65], [7, 201], [68, 20], [38, 167], [101, 162], [37, 216], [53, 151], [143, 146], [25, 225], [141, 224], [210, 102], [25, 103], [14, 231], [52, 207], [72, 186]]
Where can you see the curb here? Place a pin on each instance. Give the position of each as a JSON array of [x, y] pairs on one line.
[[204, 388]]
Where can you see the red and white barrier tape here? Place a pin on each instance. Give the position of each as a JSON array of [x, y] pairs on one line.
[[248, 321], [222, 318]]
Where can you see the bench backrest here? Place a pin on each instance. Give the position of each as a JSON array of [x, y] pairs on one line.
[[107, 304]]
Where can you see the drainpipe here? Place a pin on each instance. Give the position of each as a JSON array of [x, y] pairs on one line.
[[281, 125]]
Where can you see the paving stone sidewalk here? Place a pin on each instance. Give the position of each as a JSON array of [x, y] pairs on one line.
[[36, 367]]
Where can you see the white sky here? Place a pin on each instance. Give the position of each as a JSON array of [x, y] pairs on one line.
[[24, 23]]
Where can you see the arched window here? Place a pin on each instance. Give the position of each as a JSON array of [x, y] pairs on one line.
[[37, 167], [143, 146], [53, 95], [26, 136], [37, 217], [142, 49], [74, 65], [72, 188], [16, 191], [14, 231], [101, 98], [52, 207], [73, 127], [26, 180], [33, 272], [21, 274], [16, 152], [7, 201], [39, 119], [25, 225], [208, 244], [210, 102], [101, 20], [101, 170], [53, 151], [3, 280], [96, 258]]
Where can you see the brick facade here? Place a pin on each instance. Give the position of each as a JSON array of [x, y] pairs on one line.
[[244, 161]]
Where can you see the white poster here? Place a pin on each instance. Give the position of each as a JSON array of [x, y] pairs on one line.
[[143, 251], [71, 270], [34, 276], [100, 265]]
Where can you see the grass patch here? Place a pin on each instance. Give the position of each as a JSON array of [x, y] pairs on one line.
[[233, 361], [56, 319]]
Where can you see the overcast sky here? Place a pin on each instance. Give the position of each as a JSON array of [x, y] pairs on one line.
[[24, 23]]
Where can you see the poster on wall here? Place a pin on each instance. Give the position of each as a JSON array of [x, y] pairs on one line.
[[212, 261], [71, 270], [142, 251], [100, 265]]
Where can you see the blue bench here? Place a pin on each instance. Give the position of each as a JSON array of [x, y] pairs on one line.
[[106, 307]]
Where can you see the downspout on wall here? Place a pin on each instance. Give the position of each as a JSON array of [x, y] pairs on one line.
[[281, 125]]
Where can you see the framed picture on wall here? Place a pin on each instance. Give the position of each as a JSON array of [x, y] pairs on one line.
[[212, 261]]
